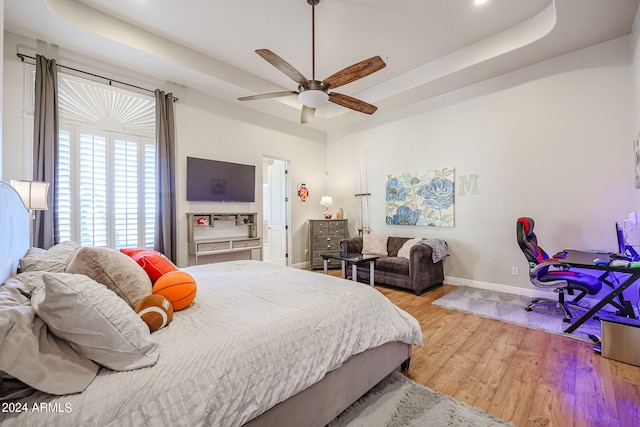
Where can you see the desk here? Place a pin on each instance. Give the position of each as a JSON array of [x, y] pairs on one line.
[[353, 260], [580, 259]]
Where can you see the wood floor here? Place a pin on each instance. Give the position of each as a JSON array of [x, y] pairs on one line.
[[522, 375]]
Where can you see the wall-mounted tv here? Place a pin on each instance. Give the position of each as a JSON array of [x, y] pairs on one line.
[[216, 181]]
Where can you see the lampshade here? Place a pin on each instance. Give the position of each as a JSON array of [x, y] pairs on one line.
[[32, 193], [313, 98], [326, 200]]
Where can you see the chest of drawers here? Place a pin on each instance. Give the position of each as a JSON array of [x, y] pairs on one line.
[[324, 237]]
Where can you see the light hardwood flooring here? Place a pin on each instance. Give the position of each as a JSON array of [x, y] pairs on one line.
[[522, 375]]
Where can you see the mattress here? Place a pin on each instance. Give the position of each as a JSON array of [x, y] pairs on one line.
[[256, 334]]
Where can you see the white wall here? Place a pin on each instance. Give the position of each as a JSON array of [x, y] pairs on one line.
[[203, 131], [1, 77], [551, 141], [635, 85], [205, 127]]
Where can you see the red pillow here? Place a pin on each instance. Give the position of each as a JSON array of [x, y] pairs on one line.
[[154, 263]]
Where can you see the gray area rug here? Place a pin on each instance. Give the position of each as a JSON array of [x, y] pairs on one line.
[[510, 308], [398, 401]]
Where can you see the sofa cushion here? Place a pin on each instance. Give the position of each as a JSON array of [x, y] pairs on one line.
[[374, 244], [405, 250], [393, 265], [394, 244]]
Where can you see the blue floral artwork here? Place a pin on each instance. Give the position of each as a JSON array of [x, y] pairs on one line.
[[422, 199]]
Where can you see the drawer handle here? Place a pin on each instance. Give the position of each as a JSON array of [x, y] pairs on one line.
[[320, 232], [328, 246], [328, 239]]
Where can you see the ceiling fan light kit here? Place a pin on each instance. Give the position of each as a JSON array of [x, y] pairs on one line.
[[314, 96], [313, 93]]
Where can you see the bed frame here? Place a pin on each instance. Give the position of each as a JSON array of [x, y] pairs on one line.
[[314, 406]]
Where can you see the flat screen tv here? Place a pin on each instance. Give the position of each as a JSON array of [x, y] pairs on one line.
[[216, 181]]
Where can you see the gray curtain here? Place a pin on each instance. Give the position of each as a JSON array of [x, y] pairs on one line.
[[165, 239], [45, 148]]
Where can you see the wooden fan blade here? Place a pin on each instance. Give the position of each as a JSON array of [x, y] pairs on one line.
[[268, 95], [352, 103], [307, 114], [284, 67], [354, 72]]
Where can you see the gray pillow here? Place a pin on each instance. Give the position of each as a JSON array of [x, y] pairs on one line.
[[113, 269], [33, 355], [53, 260], [94, 321]]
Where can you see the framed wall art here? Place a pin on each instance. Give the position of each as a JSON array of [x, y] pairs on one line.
[[421, 198]]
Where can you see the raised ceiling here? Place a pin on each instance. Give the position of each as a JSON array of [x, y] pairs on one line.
[[430, 46]]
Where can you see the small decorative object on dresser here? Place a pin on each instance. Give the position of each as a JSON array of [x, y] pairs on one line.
[[324, 237], [326, 201]]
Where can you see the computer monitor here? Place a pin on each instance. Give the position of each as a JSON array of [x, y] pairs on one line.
[[623, 247]]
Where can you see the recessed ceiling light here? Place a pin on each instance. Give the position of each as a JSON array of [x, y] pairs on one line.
[[479, 2]]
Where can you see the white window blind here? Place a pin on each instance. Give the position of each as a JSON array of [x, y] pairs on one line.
[[106, 187], [106, 192]]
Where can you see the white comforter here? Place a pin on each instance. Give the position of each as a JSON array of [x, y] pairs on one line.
[[256, 335]]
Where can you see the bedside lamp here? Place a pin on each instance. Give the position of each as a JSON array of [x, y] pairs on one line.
[[326, 201], [34, 197]]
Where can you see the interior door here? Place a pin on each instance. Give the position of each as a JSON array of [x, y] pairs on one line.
[[277, 216]]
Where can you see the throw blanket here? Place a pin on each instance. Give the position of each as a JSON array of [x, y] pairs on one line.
[[440, 249]]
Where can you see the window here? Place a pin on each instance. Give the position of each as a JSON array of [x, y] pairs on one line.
[[106, 192]]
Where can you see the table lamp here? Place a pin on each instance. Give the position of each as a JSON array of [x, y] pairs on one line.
[[34, 197], [326, 201]]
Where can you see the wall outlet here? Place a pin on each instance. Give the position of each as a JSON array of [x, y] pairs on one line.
[[514, 271]]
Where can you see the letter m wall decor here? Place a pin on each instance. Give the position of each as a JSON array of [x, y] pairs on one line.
[[422, 198]]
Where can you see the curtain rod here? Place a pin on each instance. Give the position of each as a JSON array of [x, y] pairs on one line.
[[23, 56]]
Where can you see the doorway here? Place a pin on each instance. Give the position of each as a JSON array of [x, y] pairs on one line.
[[275, 210]]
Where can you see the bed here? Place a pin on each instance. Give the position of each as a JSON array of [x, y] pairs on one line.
[[260, 345]]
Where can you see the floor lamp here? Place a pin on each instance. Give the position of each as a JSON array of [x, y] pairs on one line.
[[34, 196]]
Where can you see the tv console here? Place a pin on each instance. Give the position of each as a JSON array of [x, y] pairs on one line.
[[213, 234]]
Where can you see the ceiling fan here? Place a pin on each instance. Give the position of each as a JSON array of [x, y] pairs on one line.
[[313, 93]]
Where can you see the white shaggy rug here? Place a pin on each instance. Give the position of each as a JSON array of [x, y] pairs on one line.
[[397, 401], [510, 308]]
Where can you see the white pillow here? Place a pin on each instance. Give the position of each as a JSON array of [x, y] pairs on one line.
[[95, 322], [374, 244], [405, 250], [53, 260]]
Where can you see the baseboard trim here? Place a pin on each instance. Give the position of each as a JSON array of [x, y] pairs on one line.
[[533, 293], [497, 287]]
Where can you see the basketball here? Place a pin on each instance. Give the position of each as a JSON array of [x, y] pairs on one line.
[[178, 287], [156, 311]]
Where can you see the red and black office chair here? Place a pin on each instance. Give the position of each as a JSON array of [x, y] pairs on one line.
[[546, 272]]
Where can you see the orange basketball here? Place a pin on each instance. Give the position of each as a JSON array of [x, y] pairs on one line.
[[178, 287], [156, 311]]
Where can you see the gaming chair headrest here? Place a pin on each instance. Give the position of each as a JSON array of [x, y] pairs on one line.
[[528, 242], [527, 224]]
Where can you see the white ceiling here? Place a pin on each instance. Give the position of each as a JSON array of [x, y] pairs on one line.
[[430, 46]]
